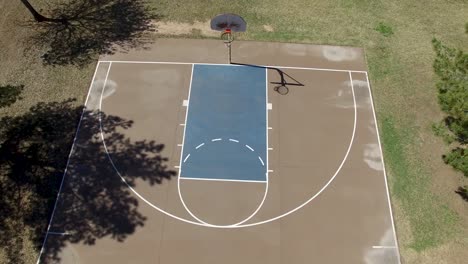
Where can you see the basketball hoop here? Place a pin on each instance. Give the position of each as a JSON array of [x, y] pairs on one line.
[[227, 37], [227, 24]]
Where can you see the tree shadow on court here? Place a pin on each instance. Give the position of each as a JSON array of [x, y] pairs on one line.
[[94, 202], [9, 94], [81, 29]]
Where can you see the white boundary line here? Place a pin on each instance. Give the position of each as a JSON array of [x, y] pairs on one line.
[[68, 162], [224, 64], [266, 122], [384, 171], [240, 225], [182, 150], [221, 180]]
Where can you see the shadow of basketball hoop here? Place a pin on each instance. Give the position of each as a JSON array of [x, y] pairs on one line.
[[281, 89], [281, 86], [228, 23]]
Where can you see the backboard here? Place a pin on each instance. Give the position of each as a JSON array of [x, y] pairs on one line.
[[231, 22]]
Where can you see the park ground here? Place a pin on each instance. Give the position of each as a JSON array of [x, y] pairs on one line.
[[431, 218]]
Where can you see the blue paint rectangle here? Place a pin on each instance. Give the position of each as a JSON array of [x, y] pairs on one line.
[[226, 127]]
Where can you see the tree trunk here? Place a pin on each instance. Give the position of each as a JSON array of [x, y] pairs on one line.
[[40, 18]]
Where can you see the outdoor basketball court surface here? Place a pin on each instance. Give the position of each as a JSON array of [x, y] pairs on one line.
[[183, 158]]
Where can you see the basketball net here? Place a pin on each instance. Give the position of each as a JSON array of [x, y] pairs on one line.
[[227, 38]]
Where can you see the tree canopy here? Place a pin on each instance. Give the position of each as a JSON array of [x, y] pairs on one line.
[[451, 66]]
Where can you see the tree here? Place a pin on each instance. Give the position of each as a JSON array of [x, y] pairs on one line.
[[77, 31], [451, 66], [34, 148], [38, 17]]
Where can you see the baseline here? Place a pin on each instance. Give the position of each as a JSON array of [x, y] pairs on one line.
[[225, 64]]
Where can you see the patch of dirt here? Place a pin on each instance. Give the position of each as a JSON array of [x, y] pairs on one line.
[[448, 253], [268, 28], [451, 253], [445, 180], [403, 228], [176, 29]]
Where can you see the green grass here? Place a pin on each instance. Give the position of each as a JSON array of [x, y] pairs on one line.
[[431, 221], [21, 67], [384, 29]]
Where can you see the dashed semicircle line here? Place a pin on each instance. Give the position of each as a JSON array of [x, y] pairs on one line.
[[263, 164], [232, 140]]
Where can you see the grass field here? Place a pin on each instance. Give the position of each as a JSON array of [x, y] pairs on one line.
[[431, 219]]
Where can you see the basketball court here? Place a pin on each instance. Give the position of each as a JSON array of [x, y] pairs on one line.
[[272, 158]]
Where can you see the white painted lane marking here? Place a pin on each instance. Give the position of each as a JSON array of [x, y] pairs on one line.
[[269, 106], [185, 103], [249, 147], [216, 139], [228, 180], [199, 146], [234, 140], [186, 157], [177, 167], [270, 128], [270, 148], [383, 247], [181, 124], [181, 155], [59, 233], [179, 145]]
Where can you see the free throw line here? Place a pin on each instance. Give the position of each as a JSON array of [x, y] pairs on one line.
[[226, 180]]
